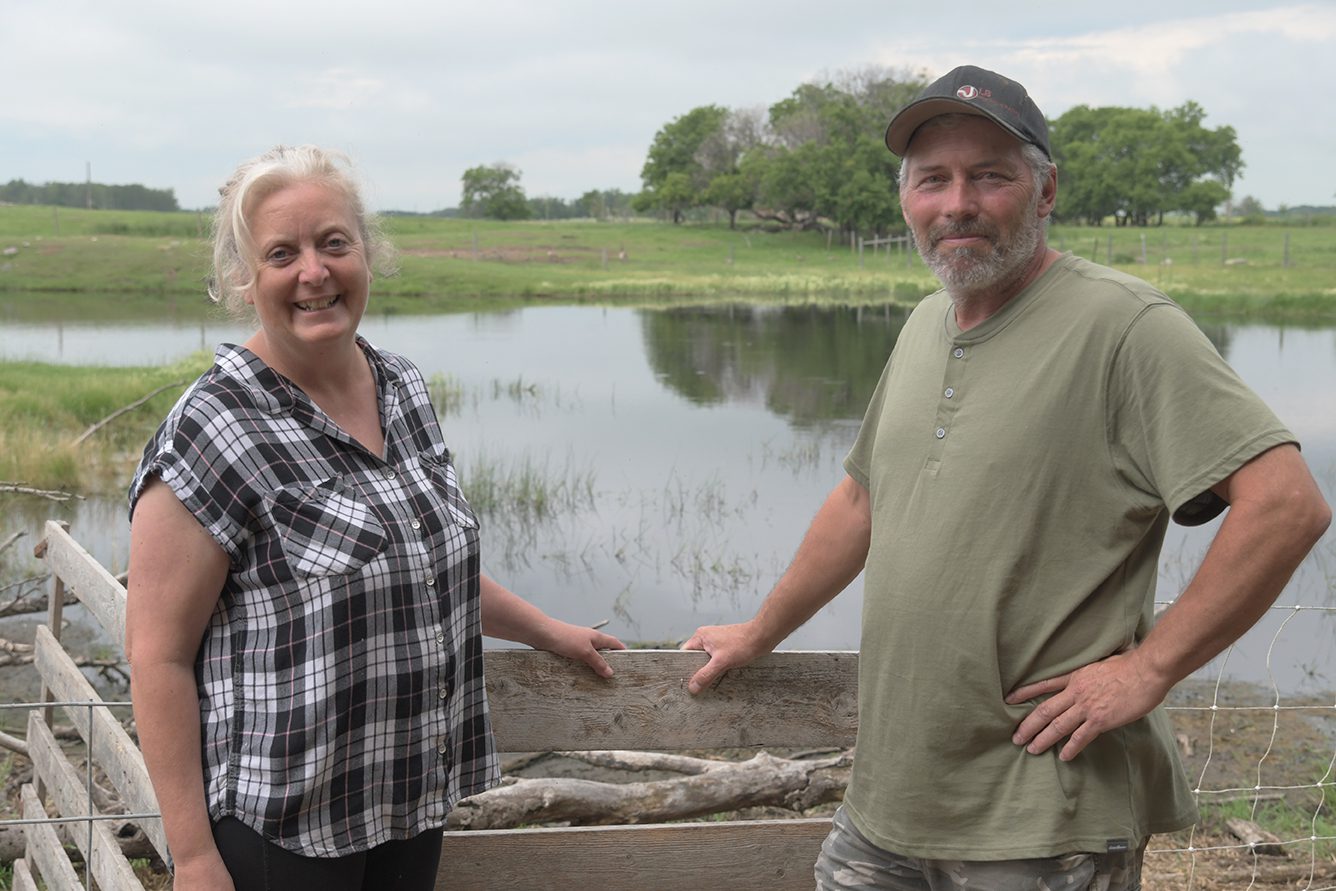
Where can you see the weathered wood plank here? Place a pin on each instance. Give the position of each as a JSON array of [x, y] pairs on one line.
[[44, 848], [95, 587], [109, 866], [542, 702], [22, 877], [110, 745], [753, 855]]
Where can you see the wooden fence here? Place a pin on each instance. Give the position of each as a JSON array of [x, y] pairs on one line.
[[539, 703]]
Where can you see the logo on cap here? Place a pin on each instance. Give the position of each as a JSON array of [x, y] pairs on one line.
[[967, 92]]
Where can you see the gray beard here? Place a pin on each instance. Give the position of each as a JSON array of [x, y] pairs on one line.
[[964, 271]]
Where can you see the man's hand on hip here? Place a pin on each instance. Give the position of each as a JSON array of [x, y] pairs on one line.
[[1094, 699]]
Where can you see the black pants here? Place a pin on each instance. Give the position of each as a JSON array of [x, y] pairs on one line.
[[260, 865]]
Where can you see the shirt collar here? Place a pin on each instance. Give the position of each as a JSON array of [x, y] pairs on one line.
[[273, 392]]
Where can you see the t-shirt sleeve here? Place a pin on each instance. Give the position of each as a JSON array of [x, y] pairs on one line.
[[189, 453], [1181, 419]]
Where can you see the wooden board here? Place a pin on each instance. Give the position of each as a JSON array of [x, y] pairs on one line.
[[111, 747], [22, 878], [541, 702], [754, 855], [44, 848], [87, 579], [109, 866]]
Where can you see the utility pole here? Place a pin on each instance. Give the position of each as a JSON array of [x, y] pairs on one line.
[[88, 184]]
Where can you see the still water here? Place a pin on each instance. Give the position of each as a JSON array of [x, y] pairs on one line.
[[682, 453]]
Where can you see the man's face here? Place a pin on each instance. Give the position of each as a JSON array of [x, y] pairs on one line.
[[971, 203]]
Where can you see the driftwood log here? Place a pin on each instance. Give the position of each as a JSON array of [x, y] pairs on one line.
[[707, 787], [1256, 838]]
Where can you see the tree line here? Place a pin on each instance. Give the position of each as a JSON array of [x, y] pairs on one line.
[[90, 195], [816, 158]]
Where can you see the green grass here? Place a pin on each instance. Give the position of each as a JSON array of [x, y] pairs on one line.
[[127, 264], [44, 408], [1288, 821]]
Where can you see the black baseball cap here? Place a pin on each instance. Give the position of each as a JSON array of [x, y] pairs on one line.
[[971, 90]]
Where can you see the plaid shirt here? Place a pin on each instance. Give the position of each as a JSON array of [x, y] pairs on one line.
[[340, 677]]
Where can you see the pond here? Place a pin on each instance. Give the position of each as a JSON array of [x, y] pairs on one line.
[[657, 468]]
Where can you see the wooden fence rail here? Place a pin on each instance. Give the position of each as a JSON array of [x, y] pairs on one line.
[[539, 703]]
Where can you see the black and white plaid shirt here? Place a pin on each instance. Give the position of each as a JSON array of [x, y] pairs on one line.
[[340, 678]]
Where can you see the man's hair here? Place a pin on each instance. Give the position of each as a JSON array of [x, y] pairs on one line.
[[234, 260]]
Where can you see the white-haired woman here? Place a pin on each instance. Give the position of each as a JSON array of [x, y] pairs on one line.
[[305, 600]]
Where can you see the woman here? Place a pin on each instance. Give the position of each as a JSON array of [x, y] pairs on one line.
[[305, 602]]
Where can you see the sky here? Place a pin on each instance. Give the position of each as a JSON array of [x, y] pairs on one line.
[[176, 94]]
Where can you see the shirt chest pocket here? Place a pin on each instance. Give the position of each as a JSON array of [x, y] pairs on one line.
[[324, 531]]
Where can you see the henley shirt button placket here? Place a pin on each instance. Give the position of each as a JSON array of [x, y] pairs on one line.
[[958, 352]]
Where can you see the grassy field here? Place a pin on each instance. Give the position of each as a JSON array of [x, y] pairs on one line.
[[45, 408], [121, 264]]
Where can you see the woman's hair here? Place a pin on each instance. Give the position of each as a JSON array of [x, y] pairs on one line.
[[234, 259]]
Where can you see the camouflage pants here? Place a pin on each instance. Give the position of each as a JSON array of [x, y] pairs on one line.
[[849, 862]]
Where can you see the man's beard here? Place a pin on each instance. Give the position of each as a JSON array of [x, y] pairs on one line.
[[968, 271]]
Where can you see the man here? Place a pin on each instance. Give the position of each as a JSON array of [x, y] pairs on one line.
[[1039, 421]]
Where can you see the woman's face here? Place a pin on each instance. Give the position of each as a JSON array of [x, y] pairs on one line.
[[312, 280]]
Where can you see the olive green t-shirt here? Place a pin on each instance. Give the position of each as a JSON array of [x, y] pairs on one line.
[[1022, 475]]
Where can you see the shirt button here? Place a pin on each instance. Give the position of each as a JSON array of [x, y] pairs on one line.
[[958, 353], [442, 748], [941, 432], [431, 581], [389, 473], [950, 391], [440, 637], [415, 523], [444, 694]]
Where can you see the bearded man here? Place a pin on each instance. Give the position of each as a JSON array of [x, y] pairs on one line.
[[1040, 421]]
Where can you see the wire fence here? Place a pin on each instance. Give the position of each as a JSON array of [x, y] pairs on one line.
[[1295, 769]]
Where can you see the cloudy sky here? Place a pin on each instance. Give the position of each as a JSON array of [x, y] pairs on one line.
[[174, 94]]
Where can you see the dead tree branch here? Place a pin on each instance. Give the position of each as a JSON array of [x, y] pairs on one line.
[[710, 787], [123, 410], [49, 494]]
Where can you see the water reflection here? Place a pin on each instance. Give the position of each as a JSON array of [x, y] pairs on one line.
[[806, 364], [658, 468]]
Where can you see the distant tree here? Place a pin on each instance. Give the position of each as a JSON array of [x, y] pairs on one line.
[[1251, 210], [603, 204], [826, 160], [99, 195], [1137, 164], [673, 176], [494, 191]]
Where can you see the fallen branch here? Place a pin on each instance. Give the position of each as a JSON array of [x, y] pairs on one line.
[[33, 600], [134, 844], [1256, 838], [120, 411], [49, 494], [13, 653], [710, 787], [14, 744]]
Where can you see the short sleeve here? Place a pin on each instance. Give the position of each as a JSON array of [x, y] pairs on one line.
[[187, 453], [1181, 419]]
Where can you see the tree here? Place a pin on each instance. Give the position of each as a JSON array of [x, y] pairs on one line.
[[494, 191], [1251, 210], [1137, 164], [674, 179], [827, 160]]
